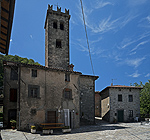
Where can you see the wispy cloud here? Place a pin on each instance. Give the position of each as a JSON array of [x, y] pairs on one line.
[[147, 75], [134, 62], [100, 4], [145, 22], [31, 36], [94, 49], [135, 75], [108, 24], [127, 19], [140, 44], [104, 25], [130, 41]]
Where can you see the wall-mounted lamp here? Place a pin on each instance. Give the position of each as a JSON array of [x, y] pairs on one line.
[[73, 110]]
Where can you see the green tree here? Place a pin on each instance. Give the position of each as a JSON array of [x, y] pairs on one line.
[[14, 59], [145, 100]]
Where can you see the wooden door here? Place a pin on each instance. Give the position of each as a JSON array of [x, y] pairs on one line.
[[51, 116]]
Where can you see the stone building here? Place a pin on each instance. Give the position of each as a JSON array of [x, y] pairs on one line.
[[120, 103], [51, 93], [97, 104]]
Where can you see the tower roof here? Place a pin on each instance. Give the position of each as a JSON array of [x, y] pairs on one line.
[[58, 13]]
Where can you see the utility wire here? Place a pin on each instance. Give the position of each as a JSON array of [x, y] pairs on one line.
[[87, 37]]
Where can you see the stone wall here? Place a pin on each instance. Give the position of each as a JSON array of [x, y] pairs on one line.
[[55, 56], [97, 104], [87, 100], [105, 105], [51, 85], [125, 104]]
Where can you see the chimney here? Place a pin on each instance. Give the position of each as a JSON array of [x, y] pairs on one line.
[[71, 67], [111, 84]]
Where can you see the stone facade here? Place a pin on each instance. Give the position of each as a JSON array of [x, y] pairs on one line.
[[51, 85], [51, 93], [57, 38], [120, 103], [97, 104]]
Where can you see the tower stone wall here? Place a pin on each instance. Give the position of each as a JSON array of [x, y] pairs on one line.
[[57, 38]]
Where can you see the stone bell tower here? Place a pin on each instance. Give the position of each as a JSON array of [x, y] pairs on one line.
[[57, 38]]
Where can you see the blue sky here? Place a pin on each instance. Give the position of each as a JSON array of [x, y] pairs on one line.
[[118, 32]]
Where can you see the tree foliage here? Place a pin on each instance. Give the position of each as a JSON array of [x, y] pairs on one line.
[[145, 100], [13, 59]]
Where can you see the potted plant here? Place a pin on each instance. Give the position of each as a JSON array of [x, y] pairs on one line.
[[13, 124], [66, 129], [33, 129]]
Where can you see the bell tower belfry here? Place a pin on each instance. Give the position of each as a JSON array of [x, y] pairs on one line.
[[57, 38]]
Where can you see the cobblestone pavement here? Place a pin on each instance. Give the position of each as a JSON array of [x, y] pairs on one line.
[[100, 131]]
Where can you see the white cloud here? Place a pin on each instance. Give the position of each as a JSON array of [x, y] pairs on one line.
[[147, 75], [140, 44], [130, 41], [134, 62], [100, 4], [145, 22], [127, 19], [148, 18], [105, 25], [135, 75], [31, 36]]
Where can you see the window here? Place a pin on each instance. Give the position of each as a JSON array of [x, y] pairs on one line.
[[33, 91], [14, 73], [33, 111], [120, 98], [61, 26], [130, 113], [55, 25], [58, 43], [130, 98], [13, 95], [68, 94], [67, 77], [34, 73]]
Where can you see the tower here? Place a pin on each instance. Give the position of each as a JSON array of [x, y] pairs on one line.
[[57, 38]]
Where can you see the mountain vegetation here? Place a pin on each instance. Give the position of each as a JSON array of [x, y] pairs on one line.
[[12, 58], [144, 98]]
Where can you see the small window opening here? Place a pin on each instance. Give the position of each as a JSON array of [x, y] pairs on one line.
[[55, 25], [13, 95], [34, 92], [130, 113], [34, 73], [67, 77], [67, 94], [120, 98], [61, 26], [33, 111], [130, 98], [58, 43], [14, 73]]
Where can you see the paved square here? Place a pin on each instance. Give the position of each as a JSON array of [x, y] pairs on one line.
[[100, 131]]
